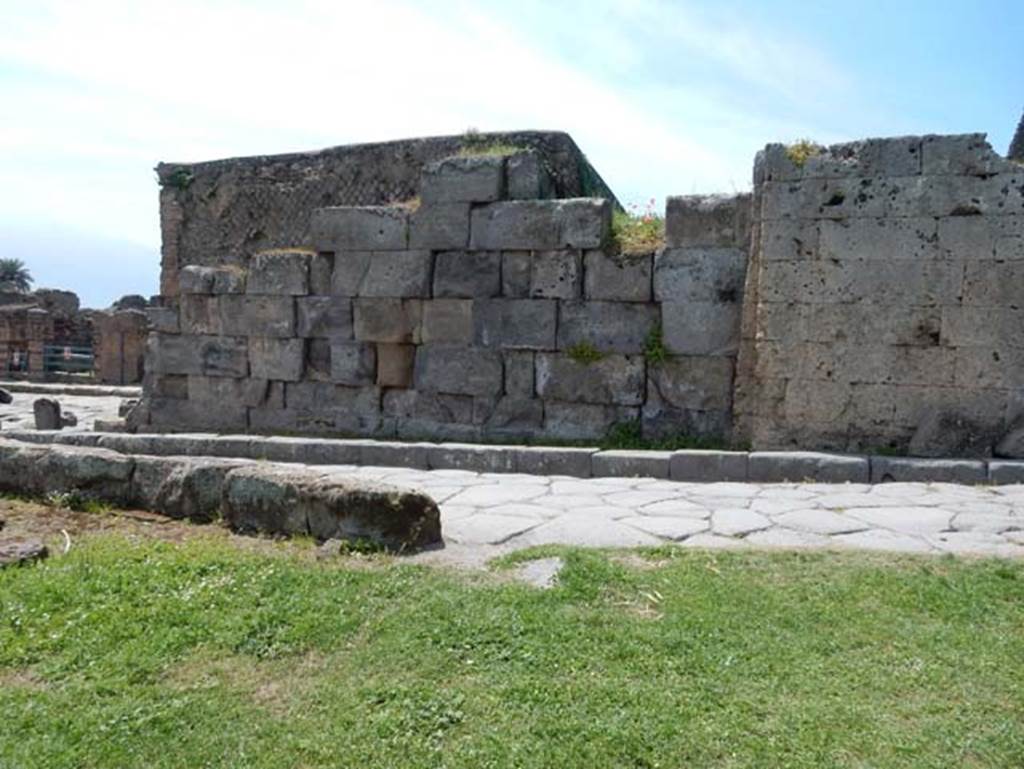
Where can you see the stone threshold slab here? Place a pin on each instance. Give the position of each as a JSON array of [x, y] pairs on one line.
[[685, 465]]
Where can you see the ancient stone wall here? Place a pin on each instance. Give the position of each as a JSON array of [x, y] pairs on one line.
[[224, 211], [484, 310], [885, 298]]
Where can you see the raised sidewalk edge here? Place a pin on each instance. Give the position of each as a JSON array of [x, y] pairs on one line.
[[59, 388], [685, 465]]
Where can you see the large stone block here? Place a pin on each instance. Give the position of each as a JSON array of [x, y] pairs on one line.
[[382, 273], [164, 319], [699, 274], [440, 225], [387, 320], [698, 383], [279, 272], [325, 396], [249, 315], [463, 179], [661, 421], [519, 379], [321, 272], [369, 228], [701, 328], [516, 268], [630, 464], [913, 470], [214, 391], [526, 178], [395, 365], [195, 279], [318, 360], [960, 155], [508, 416], [541, 224], [448, 321], [301, 501], [696, 466], [325, 317], [515, 323], [797, 466], [180, 487], [200, 314], [281, 359], [617, 278], [584, 421], [556, 275], [37, 470], [888, 239], [467, 274], [705, 220], [606, 326], [437, 416], [197, 354], [174, 415], [458, 370], [353, 363], [615, 379]]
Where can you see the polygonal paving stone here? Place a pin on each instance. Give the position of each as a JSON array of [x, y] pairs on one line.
[[454, 513], [908, 520], [820, 522], [779, 506], [985, 522], [569, 501], [522, 510], [487, 529], [778, 536], [668, 528], [638, 498], [676, 508], [714, 542], [729, 489], [844, 501], [606, 512], [977, 543], [734, 522], [587, 531], [498, 494], [883, 539]]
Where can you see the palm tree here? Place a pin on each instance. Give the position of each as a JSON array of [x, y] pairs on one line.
[[14, 276]]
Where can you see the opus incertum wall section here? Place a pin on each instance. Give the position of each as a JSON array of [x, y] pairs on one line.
[[224, 211], [885, 300], [480, 310]]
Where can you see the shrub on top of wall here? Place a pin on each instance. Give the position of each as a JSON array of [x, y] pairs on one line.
[[637, 232]]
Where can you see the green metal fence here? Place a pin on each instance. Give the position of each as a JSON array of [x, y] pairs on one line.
[[70, 359]]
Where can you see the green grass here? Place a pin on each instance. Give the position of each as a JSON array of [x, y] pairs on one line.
[[147, 655]]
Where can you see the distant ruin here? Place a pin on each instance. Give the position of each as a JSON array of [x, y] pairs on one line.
[[865, 297]]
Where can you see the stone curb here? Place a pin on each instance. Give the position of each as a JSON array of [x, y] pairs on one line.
[[687, 465], [56, 388]]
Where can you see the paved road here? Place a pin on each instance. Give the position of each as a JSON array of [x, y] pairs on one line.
[[88, 408], [487, 514]]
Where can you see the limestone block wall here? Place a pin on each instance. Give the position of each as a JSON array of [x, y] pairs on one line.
[[224, 211], [481, 310], [885, 298]]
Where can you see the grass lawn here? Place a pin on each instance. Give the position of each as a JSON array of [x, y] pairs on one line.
[[200, 654]]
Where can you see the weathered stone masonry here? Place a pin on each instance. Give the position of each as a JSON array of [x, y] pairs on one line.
[[461, 317], [882, 308], [885, 299]]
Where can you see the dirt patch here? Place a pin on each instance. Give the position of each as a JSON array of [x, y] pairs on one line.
[[21, 678], [277, 686]]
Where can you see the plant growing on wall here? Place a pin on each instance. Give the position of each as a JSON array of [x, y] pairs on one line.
[[802, 150], [638, 231], [14, 276], [654, 347], [585, 353]]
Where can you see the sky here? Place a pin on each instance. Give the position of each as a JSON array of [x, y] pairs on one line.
[[664, 97]]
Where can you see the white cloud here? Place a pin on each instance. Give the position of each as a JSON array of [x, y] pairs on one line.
[[96, 93]]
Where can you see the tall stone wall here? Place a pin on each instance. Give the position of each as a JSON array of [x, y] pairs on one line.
[[885, 298], [483, 311], [224, 211]]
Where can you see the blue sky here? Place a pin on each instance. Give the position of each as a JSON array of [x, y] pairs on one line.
[[664, 97]]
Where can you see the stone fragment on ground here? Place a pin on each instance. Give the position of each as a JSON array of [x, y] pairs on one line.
[[47, 414], [5, 396], [540, 573], [16, 553]]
